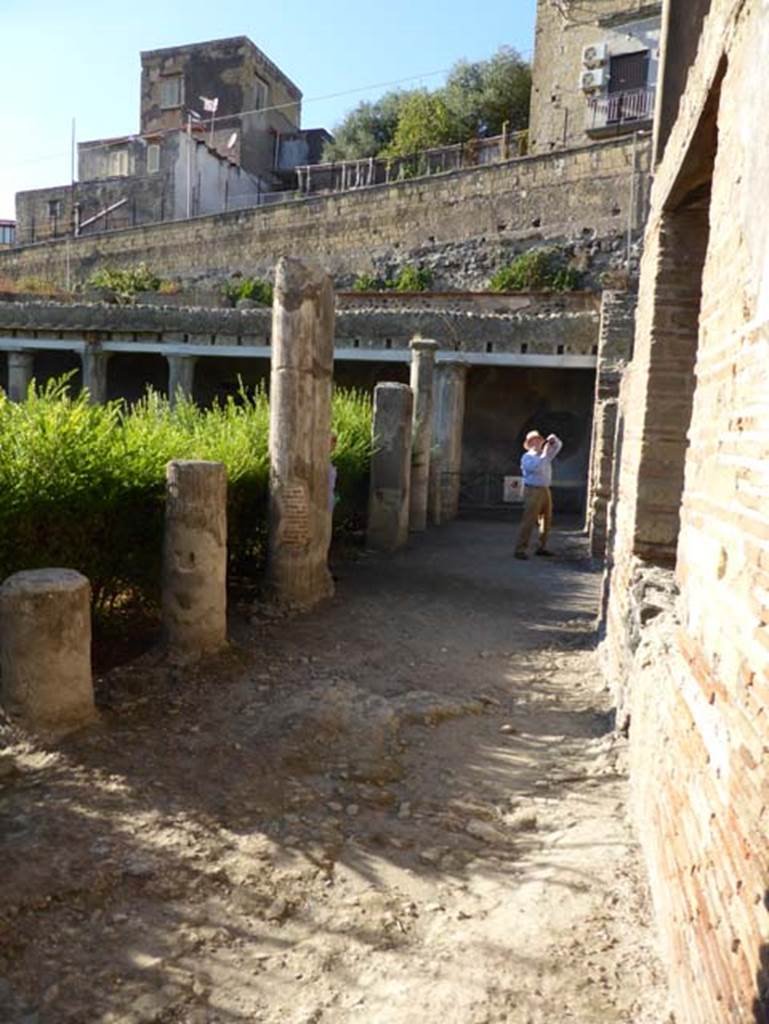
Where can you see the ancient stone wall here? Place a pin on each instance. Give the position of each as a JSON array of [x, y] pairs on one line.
[[461, 225], [688, 617]]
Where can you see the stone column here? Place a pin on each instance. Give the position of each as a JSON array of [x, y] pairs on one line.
[[422, 369], [20, 370], [300, 429], [388, 507], [195, 559], [448, 424], [45, 649], [181, 377], [94, 363], [615, 348]]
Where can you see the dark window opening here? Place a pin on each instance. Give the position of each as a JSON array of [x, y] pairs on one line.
[[628, 79]]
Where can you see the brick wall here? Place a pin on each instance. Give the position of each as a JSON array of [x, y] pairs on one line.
[[582, 196], [693, 669]]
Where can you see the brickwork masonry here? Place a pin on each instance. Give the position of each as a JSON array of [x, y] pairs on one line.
[[694, 673]]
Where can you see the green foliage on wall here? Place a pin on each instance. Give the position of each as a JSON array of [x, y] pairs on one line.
[[536, 270], [253, 288], [413, 279], [126, 284], [408, 279]]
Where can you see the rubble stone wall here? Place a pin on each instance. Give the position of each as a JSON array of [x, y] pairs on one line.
[[461, 225]]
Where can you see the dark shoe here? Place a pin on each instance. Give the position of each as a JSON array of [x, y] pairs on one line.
[[521, 554], [544, 553]]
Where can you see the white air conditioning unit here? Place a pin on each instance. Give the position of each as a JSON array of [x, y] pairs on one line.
[[590, 81], [595, 55]]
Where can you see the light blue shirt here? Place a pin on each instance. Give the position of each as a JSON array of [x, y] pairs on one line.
[[536, 468]]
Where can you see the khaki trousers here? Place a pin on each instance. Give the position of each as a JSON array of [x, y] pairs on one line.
[[537, 510]]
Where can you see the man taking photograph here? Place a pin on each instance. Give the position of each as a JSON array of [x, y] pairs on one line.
[[537, 471]]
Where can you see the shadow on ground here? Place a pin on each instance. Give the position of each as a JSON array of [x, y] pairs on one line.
[[431, 724]]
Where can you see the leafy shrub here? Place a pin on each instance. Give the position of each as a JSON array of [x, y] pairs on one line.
[[367, 283], [408, 279], [351, 422], [169, 288], [413, 279], [125, 284], [83, 485], [253, 288], [536, 270]]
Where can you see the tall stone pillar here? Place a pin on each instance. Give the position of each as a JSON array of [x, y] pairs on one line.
[[300, 430], [45, 649], [615, 349], [388, 508], [20, 370], [195, 559], [94, 363], [422, 370], [446, 455], [181, 377]]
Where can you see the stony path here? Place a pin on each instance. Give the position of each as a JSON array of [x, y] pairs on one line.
[[405, 807]]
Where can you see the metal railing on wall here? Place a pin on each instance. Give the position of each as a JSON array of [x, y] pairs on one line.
[[620, 108], [346, 175]]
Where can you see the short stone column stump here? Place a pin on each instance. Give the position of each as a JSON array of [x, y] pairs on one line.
[[388, 507], [195, 559], [45, 649], [423, 353]]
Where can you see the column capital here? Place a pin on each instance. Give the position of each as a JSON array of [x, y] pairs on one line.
[[423, 345]]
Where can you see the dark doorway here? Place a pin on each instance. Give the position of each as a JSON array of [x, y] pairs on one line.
[[628, 77]]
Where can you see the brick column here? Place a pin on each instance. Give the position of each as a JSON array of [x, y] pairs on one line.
[[655, 415], [181, 377], [422, 371], [300, 431], [20, 371], [94, 363], [448, 424], [388, 510]]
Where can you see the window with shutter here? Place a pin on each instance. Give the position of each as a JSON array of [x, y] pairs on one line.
[[153, 158], [171, 92]]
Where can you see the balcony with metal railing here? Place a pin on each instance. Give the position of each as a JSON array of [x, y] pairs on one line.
[[620, 111]]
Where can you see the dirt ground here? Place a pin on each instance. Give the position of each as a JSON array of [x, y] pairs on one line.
[[407, 806]]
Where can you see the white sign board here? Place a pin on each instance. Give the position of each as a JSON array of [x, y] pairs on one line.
[[512, 489]]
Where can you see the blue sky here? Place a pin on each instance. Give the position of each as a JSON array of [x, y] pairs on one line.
[[81, 59]]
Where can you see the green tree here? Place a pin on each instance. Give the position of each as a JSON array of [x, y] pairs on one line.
[[425, 121], [368, 129], [483, 95], [476, 101]]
